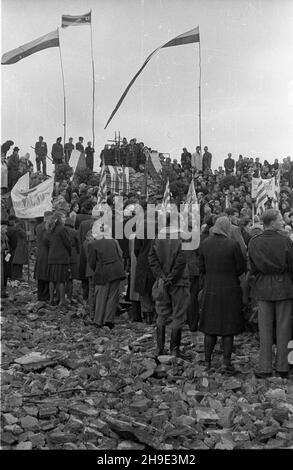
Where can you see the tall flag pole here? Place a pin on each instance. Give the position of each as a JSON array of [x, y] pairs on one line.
[[93, 68], [80, 20], [64, 96], [199, 95], [189, 37]]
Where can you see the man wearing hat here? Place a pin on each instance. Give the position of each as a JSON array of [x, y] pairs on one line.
[[41, 151], [12, 165]]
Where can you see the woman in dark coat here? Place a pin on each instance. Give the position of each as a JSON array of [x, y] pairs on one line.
[[41, 266], [59, 244], [105, 259], [74, 258], [21, 255], [221, 262]]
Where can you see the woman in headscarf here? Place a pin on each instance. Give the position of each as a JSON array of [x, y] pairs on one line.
[[105, 259], [221, 262], [58, 241]]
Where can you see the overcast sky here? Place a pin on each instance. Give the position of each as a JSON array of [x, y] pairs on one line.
[[247, 75]]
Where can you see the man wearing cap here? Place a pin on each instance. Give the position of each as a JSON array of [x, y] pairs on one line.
[[41, 154], [12, 165], [168, 263]]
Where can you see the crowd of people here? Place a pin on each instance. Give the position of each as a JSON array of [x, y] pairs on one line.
[[243, 265]]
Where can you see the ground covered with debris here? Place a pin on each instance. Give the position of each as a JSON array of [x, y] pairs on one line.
[[68, 385]]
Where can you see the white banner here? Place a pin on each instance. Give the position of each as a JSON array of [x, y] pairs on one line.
[[31, 203], [269, 186]]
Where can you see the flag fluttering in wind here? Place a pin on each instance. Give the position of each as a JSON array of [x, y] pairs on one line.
[[166, 203], [79, 20], [191, 197], [261, 197], [189, 37], [44, 42], [102, 191], [275, 199]]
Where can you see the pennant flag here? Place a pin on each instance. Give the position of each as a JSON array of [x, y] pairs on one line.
[[189, 37], [191, 219], [31, 203], [166, 203], [79, 20], [154, 165], [261, 197], [44, 42], [102, 191], [191, 195]]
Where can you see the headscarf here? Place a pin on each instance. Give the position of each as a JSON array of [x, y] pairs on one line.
[[222, 227]]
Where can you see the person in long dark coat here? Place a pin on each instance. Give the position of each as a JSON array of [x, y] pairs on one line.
[[144, 279], [74, 258], [21, 254], [59, 244], [221, 262], [105, 259], [41, 266]]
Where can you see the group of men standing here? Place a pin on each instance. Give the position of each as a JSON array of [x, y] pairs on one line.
[[62, 154], [196, 160]]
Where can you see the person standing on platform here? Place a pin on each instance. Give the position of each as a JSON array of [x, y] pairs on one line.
[[12, 166], [79, 145], [68, 147], [57, 152], [89, 152], [41, 152]]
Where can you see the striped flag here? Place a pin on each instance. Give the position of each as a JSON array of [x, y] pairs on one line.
[[189, 37], [191, 197], [261, 197], [119, 179], [44, 42], [166, 203], [79, 20], [154, 165], [102, 191], [275, 199]]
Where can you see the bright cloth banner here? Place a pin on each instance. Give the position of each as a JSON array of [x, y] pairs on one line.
[[44, 42], [77, 160], [31, 203], [79, 20], [269, 185], [119, 179]]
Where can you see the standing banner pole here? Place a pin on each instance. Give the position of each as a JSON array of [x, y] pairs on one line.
[[64, 98], [199, 97], [93, 69], [27, 230]]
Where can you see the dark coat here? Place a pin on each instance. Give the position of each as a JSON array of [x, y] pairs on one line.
[[81, 218], [21, 254], [75, 245], [85, 226], [105, 259], [144, 278], [221, 262], [59, 245], [168, 260], [271, 262], [41, 266]]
